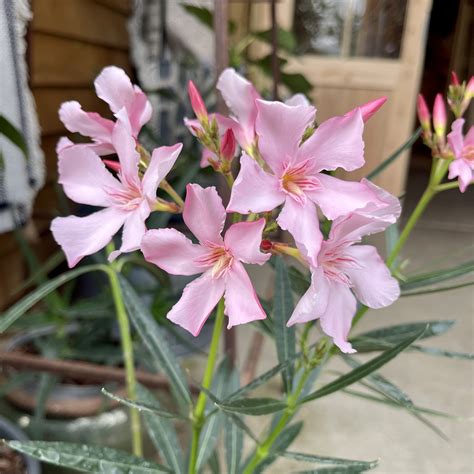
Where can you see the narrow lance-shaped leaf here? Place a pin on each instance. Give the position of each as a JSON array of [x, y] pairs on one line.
[[406, 146], [234, 435], [22, 306], [327, 460], [253, 406], [142, 405], [155, 341], [285, 338], [385, 338], [362, 371], [13, 134], [86, 458], [438, 289], [213, 424], [162, 434]]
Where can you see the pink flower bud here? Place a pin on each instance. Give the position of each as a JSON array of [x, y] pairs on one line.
[[454, 79], [196, 101], [228, 145], [439, 116], [369, 109], [113, 165], [468, 95], [266, 245], [423, 113]]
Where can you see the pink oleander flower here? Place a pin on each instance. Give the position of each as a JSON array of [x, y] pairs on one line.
[[127, 199], [114, 87], [462, 167], [241, 97], [295, 176], [343, 268], [218, 259]]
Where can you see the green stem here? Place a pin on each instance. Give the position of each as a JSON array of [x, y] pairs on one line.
[[127, 350], [446, 186], [172, 193], [264, 449], [198, 413]]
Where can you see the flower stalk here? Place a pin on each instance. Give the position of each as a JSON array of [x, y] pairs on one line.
[[198, 412], [127, 350]]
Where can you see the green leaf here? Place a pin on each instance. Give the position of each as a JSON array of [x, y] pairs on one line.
[[22, 306], [385, 338], [213, 424], [206, 17], [328, 460], [438, 289], [362, 371], [234, 435], [285, 338], [13, 134], [154, 340], [253, 406], [386, 401], [438, 276], [334, 470], [162, 434], [299, 281], [86, 458], [143, 406], [434, 351], [296, 83], [397, 153], [285, 39], [213, 463], [237, 420], [389, 390]]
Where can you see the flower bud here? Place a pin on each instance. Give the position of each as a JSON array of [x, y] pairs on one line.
[[439, 116], [228, 145], [196, 102], [468, 95], [369, 109], [423, 113], [113, 165], [454, 79]]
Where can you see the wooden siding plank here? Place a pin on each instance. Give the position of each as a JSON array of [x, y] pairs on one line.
[[57, 61], [83, 20], [48, 102]]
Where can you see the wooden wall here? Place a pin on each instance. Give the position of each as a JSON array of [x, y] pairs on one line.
[[70, 41]]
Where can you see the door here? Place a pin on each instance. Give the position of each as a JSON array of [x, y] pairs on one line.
[[357, 50]]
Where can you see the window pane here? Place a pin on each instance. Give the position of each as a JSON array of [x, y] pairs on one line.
[[368, 28]]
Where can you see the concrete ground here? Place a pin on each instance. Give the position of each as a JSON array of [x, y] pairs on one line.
[[341, 425]]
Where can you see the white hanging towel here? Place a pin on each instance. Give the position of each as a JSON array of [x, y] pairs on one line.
[[20, 177]]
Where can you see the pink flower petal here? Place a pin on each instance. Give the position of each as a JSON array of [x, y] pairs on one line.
[[460, 169], [241, 302], [172, 251], [337, 197], [89, 124], [199, 298], [469, 138], [455, 138], [84, 177], [336, 143], [243, 240], [204, 213], [297, 99], [372, 283], [254, 190], [114, 87], [370, 108], [337, 319], [161, 162], [301, 221], [373, 218], [280, 128], [240, 95], [81, 236], [133, 230], [314, 302], [125, 147]]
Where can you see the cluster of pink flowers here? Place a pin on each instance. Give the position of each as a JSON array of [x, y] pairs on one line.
[[285, 161], [458, 147]]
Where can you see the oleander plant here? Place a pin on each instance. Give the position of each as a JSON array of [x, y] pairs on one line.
[[279, 204]]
